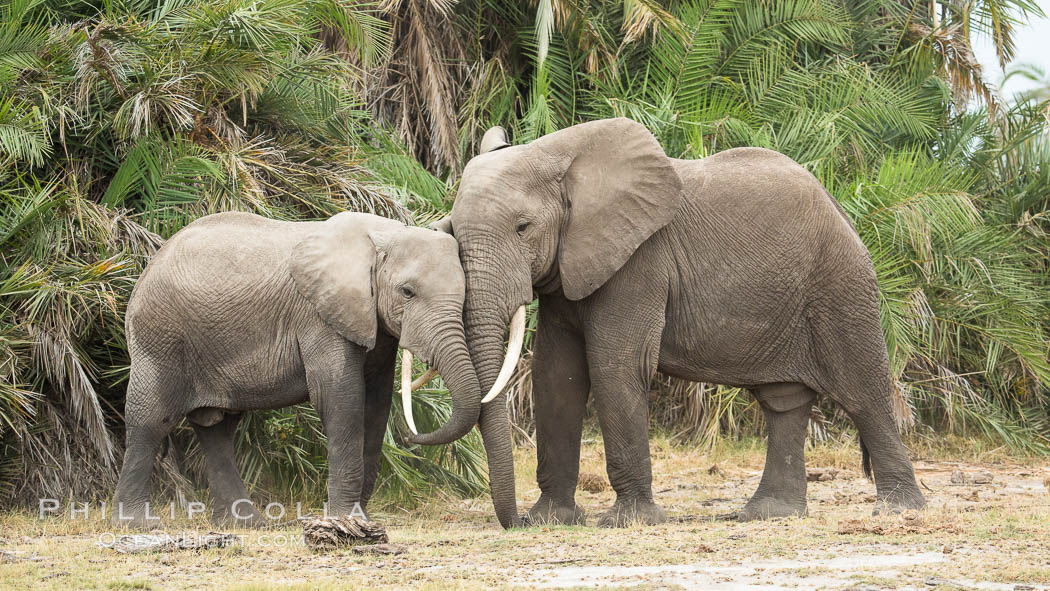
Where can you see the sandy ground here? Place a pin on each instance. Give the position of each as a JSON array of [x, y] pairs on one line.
[[990, 529]]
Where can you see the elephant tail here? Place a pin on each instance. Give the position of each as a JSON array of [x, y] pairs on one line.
[[865, 460]]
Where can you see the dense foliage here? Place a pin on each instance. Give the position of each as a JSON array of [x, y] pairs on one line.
[[121, 121]]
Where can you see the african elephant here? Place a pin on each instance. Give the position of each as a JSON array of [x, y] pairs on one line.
[[238, 312], [737, 269]]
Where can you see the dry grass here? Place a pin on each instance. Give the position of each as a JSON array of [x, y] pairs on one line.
[[999, 538]]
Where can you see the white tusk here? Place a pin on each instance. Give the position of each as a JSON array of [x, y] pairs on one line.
[[424, 379], [406, 389], [510, 362]]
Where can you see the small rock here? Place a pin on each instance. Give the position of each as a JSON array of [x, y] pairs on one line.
[[961, 478], [911, 516], [821, 474], [1020, 587], [705, 549], [379, 549], [935, 581]]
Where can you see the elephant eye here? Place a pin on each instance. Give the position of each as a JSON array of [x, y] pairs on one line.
[[407, 291], [522, 226]]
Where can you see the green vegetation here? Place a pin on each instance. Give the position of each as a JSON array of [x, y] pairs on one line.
[[119, 124], [121, 120]]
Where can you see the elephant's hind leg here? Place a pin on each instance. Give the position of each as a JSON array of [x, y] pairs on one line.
[[149, 420], [857, 377], [229, 499], [892, 470], [782, 491]]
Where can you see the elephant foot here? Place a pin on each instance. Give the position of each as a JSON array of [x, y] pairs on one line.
[[254, 520], [895, 503], [547, 512], [137, 521], [240, 513], [344, 509], [625, 513], [134, 515], [771, 507]]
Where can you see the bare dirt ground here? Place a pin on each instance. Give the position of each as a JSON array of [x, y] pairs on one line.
[[990, 529]]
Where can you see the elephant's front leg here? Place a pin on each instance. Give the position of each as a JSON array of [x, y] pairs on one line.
[[560, 385], [782, 491], [335, 378], [343, 423], [620, 375], [378, 390]]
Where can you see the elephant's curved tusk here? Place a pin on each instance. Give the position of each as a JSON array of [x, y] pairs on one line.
[[406, 389], [424, 379], [510, 362]]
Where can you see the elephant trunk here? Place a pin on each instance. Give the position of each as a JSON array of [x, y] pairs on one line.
[[452, 362], [486, 329]]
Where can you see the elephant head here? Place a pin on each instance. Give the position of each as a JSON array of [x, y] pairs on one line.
[[564, 212], [360, 271]]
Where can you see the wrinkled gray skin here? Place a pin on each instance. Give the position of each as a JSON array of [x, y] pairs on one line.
[[238, 312], [737, 269]]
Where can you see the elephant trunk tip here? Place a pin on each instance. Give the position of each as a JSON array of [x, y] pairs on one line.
[[446, 434]]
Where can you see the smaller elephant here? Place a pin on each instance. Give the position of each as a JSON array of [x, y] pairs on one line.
[[238, 313]]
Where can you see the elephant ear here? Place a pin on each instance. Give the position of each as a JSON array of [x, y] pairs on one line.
[[494, 139], [334, 268], [442, 225], [621, 188]]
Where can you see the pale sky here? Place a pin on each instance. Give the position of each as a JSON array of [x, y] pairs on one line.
[[1033, 47]]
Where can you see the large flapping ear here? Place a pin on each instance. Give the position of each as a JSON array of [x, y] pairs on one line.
[[621, 188], [334, 268], [494, 139]]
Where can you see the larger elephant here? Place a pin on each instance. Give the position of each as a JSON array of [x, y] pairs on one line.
[[737, 269], [239, 313]]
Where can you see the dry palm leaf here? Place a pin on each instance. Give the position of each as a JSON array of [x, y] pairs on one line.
[[333, 532]]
